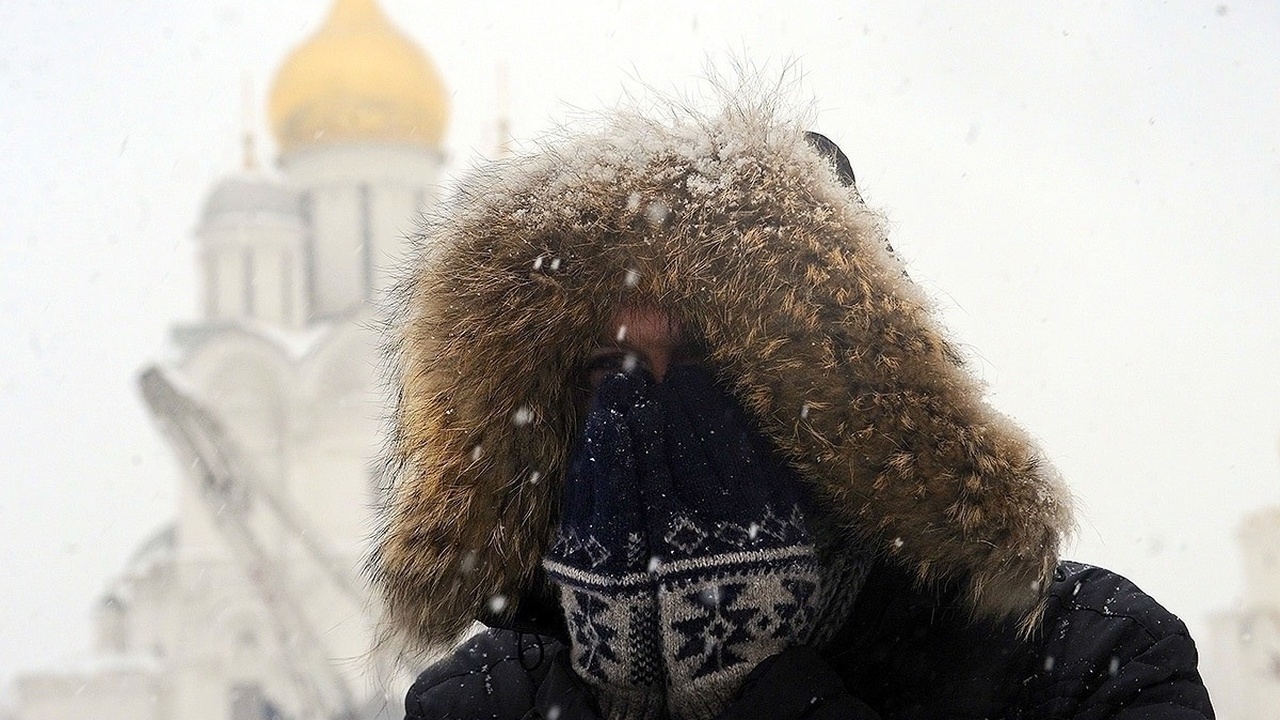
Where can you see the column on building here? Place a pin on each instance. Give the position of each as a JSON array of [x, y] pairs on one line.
[[251, 256]]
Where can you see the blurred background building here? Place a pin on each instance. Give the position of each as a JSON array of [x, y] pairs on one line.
[[1242, 656], [250, 605]]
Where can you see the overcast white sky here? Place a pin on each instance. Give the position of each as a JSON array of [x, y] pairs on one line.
[[1089, 191]]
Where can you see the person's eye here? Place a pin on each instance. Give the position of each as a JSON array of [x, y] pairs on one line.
[[691, 352], [604, 364]]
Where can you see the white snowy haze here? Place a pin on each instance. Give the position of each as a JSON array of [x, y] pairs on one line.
[[1089, 190]]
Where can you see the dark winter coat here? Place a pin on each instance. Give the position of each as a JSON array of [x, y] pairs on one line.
[[738, 228], [1103, 650]]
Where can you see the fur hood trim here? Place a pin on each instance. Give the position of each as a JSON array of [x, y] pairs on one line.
[[740, 229]]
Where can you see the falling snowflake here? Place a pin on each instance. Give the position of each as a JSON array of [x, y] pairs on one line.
[[656, 213], [632, 278], [522, 416], [498, 603]]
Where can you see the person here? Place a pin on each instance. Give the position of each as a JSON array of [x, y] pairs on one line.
[[674, 422]]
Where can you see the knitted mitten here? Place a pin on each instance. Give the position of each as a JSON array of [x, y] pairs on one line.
[[738, 576], [600, 559]]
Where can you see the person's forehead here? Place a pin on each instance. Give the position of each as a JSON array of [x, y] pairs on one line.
[[643, 323]]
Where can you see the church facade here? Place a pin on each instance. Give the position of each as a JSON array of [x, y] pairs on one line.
[[250, 605]]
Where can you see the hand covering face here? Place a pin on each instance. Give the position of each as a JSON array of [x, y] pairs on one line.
[[600, 557], [683, 558]]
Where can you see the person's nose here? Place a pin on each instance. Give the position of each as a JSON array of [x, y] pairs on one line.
[[651, 334], [659, 360]]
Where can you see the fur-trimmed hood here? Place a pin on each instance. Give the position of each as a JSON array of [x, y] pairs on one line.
[[739, 228]]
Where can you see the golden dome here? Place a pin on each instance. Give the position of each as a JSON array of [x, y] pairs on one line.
[[358, 78]]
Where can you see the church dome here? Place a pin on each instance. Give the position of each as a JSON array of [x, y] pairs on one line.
[[249, 195], [358, 78]]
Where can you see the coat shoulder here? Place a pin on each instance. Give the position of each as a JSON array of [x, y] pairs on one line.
[[1081, 590], [1103, 650], [486, 676], [1109, 648], [502, 675]]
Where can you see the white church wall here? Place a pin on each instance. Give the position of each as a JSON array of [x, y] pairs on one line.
[[358, 192], [335, 230], [361, 162], [1241, 653], [1220, 663], [219, 637], [247, 268], [95, 694], [111, 627], [332, 478], [279, 411], [243, 380], [227, 277], [395, 216], [269, 284], [244, 635], [1259, 538], [340, 622], [199, 688], [138, 621]]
